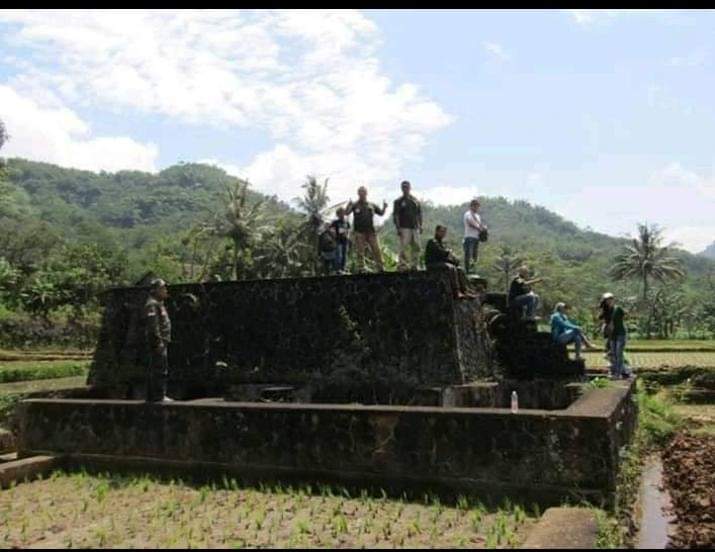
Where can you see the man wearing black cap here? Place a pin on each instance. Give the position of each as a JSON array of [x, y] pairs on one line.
[[158, 336]]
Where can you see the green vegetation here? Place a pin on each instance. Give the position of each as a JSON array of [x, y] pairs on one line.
[[34, 370], [66, 234], [105, 510]]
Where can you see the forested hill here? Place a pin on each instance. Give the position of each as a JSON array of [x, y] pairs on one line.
[[171, 198], [709, 251], [135, 211]]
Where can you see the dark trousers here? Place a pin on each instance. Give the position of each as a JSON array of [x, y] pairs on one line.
[[341, 257], [457, 279], [471, 253], [157, 376]]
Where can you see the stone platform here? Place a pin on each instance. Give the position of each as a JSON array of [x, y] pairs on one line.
[[542, 456], [372, 338]]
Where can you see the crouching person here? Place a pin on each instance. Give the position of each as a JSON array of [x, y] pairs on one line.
[[158, 335], [563, 331], [438, 257]]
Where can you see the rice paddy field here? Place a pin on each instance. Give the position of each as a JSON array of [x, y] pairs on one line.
[[81, 510], [131, 511]]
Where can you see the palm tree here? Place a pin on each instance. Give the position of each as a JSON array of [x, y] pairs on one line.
[[313, 204], [646, 259], [506, 264], [241, 222]]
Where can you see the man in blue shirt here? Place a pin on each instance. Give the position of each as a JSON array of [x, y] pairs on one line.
[[563, 331]]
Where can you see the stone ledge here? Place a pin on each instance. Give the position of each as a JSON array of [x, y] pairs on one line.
[[564, 528], [25, 468], [7, 441]]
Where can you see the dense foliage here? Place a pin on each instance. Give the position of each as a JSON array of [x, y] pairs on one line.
[[65, 234]]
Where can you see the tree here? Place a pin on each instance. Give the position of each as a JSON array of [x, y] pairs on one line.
[[313, 203], [506, 264], [3, 134], [646, 259], [241, 222]]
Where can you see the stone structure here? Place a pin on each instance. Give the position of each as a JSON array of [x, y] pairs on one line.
[[429, 379], [374, 338], [533, 455], [524, 352]]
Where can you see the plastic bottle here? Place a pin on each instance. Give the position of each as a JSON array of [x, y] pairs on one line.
[[514, 402]]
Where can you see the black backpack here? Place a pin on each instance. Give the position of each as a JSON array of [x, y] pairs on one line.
[[483, 235]]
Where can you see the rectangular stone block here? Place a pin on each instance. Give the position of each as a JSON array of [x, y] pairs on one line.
[[543, 455]]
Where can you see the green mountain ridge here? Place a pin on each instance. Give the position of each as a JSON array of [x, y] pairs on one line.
[[137, 212]]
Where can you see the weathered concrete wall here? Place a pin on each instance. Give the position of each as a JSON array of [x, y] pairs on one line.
[[366, 338], [540, 456]]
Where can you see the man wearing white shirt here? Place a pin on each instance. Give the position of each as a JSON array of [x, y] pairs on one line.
[[472, 226]]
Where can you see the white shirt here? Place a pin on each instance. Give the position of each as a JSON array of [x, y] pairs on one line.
[[474, 218]]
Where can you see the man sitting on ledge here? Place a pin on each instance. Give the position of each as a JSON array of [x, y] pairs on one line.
[[521, 296], [438, 257]]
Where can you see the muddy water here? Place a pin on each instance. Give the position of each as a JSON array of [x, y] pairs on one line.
[[654, 507]]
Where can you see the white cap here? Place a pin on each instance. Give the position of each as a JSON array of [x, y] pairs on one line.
[[607, 295]]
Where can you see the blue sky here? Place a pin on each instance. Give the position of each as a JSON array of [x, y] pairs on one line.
[[606, 117]]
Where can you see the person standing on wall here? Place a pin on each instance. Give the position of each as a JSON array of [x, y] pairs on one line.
[[474, 232], [407, 216], [158, 337], [364, 228], [341, 226]]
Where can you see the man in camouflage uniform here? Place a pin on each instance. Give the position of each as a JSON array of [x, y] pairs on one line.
[[364, 229], [407, 216], [158, 337]]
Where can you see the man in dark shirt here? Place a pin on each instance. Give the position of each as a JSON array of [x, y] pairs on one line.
[[363, 213], [438, 257], [617, 330], [520, 294], [341, 227], [407, 216]]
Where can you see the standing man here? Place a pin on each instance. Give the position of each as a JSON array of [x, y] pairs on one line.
[[364, 229], [472, 228], [407, 216], [520, 294], [342, 231], [158, 336], [617, 330]]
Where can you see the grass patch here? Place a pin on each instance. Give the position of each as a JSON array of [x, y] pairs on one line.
[[35, 370], [655, 359]]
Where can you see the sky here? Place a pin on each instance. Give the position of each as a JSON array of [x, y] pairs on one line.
[[606, 117]]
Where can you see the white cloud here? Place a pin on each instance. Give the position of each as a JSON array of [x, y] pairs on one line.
[[587, 18], [57, 135], [450, 195], [497, 50], [693, 238], [308, 79], [677, 176], [696, 58]]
